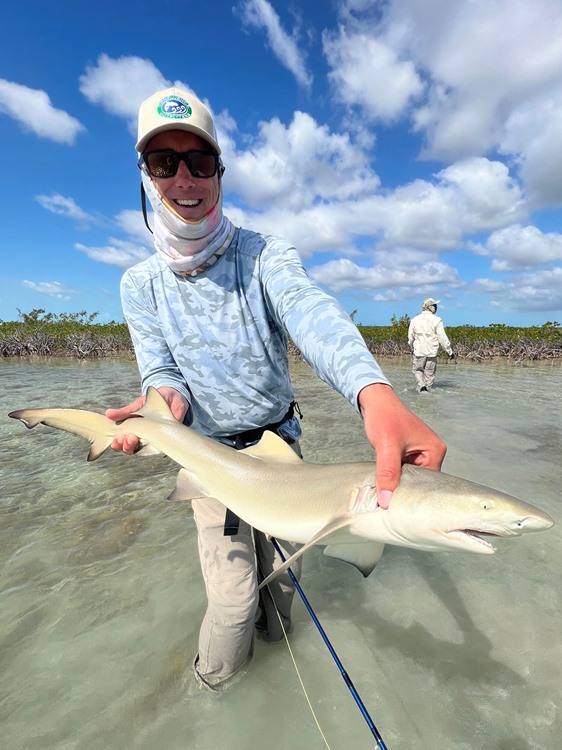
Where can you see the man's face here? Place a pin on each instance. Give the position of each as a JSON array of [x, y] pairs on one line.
[[191, 197]]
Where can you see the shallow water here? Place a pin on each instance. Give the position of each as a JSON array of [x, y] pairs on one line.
[[101, 595]]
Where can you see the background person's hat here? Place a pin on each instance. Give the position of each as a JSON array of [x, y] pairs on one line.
[[429, 302], [174, 109]]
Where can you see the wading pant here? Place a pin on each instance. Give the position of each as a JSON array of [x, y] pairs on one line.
[[232, 567], [424, 371]]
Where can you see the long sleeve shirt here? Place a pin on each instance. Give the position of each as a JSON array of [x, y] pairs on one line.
[[220, 338], [426, 333]]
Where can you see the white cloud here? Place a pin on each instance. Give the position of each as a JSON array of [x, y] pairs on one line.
[[539, 292], [132, 223], [533, 135], [261, 15], [296, 165], [33, 109], [492, 76], [369, 73], [119, 253], [519, 248], [490, 196], [62, 206], [472, 196], [406, 271], [50, 288], [119, 85]]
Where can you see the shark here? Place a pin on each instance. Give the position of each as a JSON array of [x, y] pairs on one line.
[[333, 505]]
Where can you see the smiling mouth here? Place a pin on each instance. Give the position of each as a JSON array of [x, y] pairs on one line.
[[187, 203]]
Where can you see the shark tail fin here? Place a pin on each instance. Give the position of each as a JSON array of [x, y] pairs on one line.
[[96, 428], [29, 417]]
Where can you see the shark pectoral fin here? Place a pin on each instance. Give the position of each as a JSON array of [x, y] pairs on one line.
[[335, 525], [364, 557], [272, 448], [187, 488]]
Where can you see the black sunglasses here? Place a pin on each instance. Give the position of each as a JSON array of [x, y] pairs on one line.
[[164, 162]]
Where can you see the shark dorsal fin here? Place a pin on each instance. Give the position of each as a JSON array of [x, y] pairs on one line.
[[155, 406], [272, 448]]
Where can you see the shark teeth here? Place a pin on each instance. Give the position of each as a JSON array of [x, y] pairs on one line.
[[474, 536]]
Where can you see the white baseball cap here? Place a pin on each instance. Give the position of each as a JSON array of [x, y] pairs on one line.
[[174, 109], [428, 303]]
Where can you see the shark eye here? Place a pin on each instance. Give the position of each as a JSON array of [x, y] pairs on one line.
[[486, 504]]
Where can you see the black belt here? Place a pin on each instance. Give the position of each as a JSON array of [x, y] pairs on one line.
[[242, 440]]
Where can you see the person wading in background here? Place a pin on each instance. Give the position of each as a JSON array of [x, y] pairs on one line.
[[426, 334], [209, 314]]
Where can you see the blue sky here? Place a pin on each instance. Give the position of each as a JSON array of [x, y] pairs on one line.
[[407, 149]]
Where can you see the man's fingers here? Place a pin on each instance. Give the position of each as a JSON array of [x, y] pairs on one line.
[[116, 415], [383, 498], [388, 469], [429, 459], [126, 443]]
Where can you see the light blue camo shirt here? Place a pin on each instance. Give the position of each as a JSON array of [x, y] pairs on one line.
[[220, 338]]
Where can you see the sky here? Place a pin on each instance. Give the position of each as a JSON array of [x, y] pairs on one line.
[[407, 149]]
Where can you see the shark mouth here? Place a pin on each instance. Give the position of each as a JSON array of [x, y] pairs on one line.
[[474, 539]]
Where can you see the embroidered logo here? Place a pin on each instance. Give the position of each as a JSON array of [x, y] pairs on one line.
[[174, 107]]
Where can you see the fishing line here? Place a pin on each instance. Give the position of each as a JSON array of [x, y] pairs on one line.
[[297, 669], [346, 678], [267, 588]]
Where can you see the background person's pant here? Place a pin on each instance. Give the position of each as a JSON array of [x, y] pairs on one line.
[[424, 371]]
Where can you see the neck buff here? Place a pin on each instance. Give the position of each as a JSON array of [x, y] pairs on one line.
[[187, 248]]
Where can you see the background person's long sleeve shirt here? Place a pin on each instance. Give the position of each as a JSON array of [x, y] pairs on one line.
[[426, 333]]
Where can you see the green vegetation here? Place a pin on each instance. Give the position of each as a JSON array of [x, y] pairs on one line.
[[78, 335], [69, 334]]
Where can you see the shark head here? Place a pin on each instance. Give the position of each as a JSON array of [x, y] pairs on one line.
[[450, 512]]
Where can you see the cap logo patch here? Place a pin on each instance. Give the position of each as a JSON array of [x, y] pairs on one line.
[[174, 108]]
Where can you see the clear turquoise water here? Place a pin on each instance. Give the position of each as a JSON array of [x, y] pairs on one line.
[[101, 596]]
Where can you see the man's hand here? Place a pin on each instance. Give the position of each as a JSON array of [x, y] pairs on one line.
[[129, 442], [398, 436]]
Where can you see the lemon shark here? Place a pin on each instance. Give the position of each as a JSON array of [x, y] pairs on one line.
[[334, 505]]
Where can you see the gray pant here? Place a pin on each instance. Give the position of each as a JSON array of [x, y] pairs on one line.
[[232, 566], [424, 371]]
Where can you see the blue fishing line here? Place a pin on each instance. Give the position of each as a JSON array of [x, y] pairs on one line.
[[346, 678]]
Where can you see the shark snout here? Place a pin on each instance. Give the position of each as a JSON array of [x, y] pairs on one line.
[[535, 522]]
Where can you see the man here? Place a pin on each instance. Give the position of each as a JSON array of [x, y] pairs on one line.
[[426, 334], [209, 314]]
